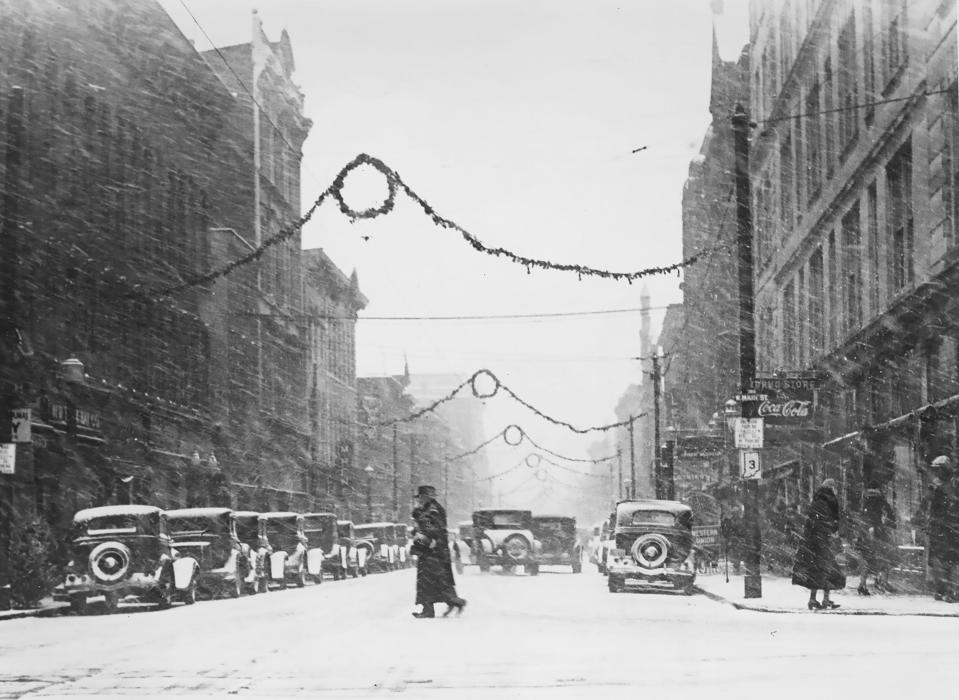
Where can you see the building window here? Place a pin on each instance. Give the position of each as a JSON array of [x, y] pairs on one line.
[[786, 186], [900, 218], [789, 353], [848, 83], [831, 287], [951, 165], [868, 60], [813, 144], [815, 305], [802, 318], [893, 40], [852, 271], [826, 119], [872, 247]]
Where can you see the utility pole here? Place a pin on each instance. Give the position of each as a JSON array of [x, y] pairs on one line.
[[396, 473], [619, 459], [753, 587], [657, 465], [632, 459]]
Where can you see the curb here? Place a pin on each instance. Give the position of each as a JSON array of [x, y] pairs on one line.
[[51, 611], [792, 611]]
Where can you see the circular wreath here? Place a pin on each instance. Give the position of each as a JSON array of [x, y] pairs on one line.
[[479, 394], [391, 182], [506, 434], [533, 460], [541, 475]]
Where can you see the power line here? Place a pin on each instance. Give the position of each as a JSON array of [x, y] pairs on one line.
[[476, 317]]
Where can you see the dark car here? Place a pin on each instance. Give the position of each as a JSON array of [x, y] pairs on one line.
[[322, 553], [352, 557], [559, 541], [505, 538], [251, 532], [209, 536], [287, 561], [653, 546], [379, 541], [125, 550]]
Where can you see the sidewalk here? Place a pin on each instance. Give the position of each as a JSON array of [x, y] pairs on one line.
[[47, 607], [779, 595]]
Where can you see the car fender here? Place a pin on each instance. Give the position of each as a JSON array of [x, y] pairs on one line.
[[314, 561], [487, 545], [278, 565], [361, 553], [185, 570]]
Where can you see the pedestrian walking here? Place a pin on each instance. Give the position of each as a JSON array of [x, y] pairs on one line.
[[815, 565], [940, 521], [434, 570], [876, 522]]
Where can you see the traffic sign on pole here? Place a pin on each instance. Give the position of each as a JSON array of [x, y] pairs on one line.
[[748, 433], [750, 464]]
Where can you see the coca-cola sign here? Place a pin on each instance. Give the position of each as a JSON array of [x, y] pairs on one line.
[[792, 408]]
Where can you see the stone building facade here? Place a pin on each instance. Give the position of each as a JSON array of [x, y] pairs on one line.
[[854, 164]]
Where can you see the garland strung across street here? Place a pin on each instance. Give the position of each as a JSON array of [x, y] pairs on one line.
[[481, 393], [513, 435], [394, 184]]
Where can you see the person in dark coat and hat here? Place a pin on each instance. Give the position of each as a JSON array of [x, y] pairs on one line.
[[940, 520], [434, 570], [815, 565]]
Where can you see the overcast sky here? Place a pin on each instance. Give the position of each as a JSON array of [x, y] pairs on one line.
[[517, 121]]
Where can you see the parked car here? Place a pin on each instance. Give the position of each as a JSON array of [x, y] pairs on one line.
[[322, 550], [353, 558], [125, 550], [557, 536], [380, 543], [402, 545], [653, 546], [209, 535], [505, 538], [287, 561], [251, 531]]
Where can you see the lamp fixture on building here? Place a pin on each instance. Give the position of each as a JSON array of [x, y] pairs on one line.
[[213, 461], [71, 370], [195, 458]]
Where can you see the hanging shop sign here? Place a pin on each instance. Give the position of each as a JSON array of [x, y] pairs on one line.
[[785, 400], [8, 458], [20, 425]]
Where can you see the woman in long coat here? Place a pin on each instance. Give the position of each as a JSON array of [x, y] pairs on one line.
[[815, 565], [434, 570]]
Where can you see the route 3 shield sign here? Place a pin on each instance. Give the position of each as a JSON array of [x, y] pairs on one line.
[[750, 465]]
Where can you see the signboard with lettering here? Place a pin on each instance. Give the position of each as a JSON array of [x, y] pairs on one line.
[[8, 457], [750, 464], [748, 433], [20, 425], [786, 399]]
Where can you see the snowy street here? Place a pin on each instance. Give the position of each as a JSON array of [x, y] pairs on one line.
[[558, 635]]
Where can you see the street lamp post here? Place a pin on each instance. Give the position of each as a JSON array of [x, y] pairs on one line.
[[369, 493]]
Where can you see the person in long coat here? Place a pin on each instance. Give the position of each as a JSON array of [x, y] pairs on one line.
[[940, 520], [434, 570], [877, 520], [815, 565]]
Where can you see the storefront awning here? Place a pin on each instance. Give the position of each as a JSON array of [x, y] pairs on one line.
[[946, 406]]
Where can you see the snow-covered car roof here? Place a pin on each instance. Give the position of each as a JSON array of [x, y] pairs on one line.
[[368, 525], [197, 513], [279, 515], [653, 504], [86, 514]]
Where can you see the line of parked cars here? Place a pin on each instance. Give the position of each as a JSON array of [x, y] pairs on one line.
[[163, 556], [513, 538]]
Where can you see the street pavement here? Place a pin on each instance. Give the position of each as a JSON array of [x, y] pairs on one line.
[[558, 635]]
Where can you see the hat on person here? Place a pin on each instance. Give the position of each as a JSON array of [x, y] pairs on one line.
[[941, 462], [428, 491]]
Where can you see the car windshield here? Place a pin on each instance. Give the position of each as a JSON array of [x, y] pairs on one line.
[[247, 529], [113, 525], [371, 531], [281, 532], [653, 517], [344, 530], [197, 525]]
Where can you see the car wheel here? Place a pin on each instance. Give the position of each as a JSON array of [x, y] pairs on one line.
[[78, 603], [263, 583], [483, 563], [578, 568], [364, 571], [111, 600], [236, 590], [601, 569], [188, 597], [166, 594], [354, 573], [532, 569], [614, 585], [301, 578], [508, 568]]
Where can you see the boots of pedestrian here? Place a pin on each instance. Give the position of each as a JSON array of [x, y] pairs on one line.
[[427, 611], [456, 604]]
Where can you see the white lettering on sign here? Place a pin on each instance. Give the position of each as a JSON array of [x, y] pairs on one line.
[[748, 433], [785, 409], [8, 458]]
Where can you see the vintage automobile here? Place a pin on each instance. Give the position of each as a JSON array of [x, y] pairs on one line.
[[505, 538], [287, 561], [380, 544], [209, 535], [126, 550], [557, 535], [352, 557], [322, 549], [251, 532], [402, 545], [653, 546]]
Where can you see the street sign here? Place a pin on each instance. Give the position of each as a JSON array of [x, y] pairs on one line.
[[748, 433], [20, 425], [750, 465], [8, 458]]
